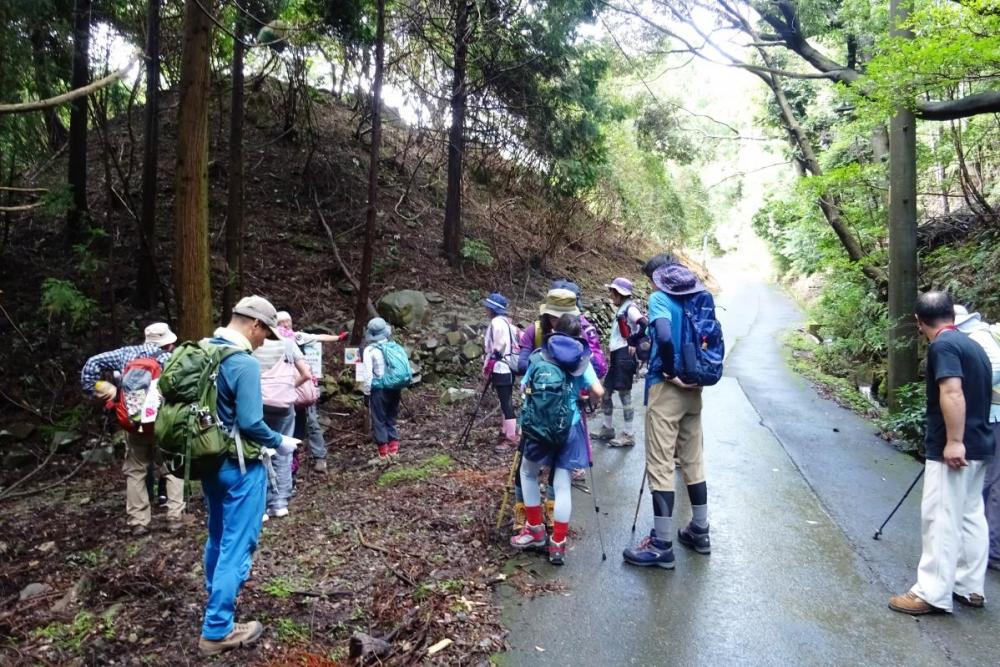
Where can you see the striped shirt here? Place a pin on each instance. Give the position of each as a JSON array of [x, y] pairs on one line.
[[116, 360]]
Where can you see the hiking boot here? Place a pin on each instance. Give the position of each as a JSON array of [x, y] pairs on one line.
[[578, 474], [557, 552], [603, 433], [243, 634], [530, 537], [382, 458], [180, 523], [549, 511], [974, 600], [140, 531], [696, 538], [519, 517], [912, 604], [319, 465], [393, 448], [624, 440], [651, 552]]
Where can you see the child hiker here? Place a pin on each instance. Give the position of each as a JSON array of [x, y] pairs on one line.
[[387, 373], [626, 334], [553, 431], [500, 345]]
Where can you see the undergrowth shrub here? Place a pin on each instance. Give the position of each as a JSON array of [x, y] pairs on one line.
[[908, 423], [61, 300], [850, 314]]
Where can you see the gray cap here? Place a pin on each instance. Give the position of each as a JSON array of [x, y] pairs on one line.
[[259, 308]]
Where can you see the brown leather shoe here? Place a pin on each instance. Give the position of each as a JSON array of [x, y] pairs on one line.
[[912, 604], [243, 634], [974, 600]]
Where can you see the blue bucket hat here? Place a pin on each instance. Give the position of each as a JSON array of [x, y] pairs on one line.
[[570, 354], [377, 330], [496, 302]]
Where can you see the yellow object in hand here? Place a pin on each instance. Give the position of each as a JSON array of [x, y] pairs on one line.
[[105, 390]]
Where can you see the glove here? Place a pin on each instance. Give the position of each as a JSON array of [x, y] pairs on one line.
[[343, 335], [288, 445], [105, 391]]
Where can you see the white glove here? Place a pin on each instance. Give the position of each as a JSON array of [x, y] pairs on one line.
[[268, 452], [288, 445]]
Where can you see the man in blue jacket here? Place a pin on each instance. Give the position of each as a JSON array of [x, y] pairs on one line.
[[236, 500]]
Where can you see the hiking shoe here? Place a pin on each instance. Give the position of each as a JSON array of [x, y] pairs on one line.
[[624, 440], [243, 634], [696, 538], [530, 537], [651, 552], [319, 465], [603, 433], [140, 531], [578, 474], [519, 517], [180, 523], [393, 450], [974, 600], [557, 552], [912, 604], [278, 513]]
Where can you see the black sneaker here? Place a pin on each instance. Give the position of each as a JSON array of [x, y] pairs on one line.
[[696, 538]]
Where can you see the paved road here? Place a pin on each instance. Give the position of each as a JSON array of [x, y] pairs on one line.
[[794, 577]]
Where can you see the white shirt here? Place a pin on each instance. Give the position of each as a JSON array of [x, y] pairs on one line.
[[632, 316], [499, 338], [374, 363]]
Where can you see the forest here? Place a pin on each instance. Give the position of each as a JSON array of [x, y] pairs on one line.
[[161, 159]]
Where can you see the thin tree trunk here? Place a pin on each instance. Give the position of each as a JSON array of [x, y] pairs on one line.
[[147, 280], [56, 132], [456, 137], [77, 175], [234, 217], [902, 340], [191, 263], [365, 279]]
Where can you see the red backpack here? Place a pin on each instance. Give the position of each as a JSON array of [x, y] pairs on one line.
[[137, 377]]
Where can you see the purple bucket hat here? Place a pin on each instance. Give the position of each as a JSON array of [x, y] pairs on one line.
[[677, 280], [621, 285]]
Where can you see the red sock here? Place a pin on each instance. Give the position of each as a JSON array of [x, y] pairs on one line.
[[383, 450], [394, 446], [559, 530], [533, 515]]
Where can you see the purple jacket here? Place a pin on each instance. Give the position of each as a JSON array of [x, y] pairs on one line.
[[589, 332]]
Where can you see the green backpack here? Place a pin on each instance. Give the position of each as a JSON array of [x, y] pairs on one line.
[[546, 417], [189, 434]]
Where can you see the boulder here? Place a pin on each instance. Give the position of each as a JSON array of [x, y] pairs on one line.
[[443, 354], [21, 430], [472, 351], [454, 395], [453, 338], [431, 343], [434, 297], [34, 590], [404, 308]]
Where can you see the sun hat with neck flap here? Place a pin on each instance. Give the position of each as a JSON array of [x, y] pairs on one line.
[[559, 302], [159, 333]]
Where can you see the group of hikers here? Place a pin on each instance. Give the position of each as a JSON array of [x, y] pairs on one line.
[[232, 409]]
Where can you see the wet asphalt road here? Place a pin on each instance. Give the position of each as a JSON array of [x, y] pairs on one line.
[[794, 577]]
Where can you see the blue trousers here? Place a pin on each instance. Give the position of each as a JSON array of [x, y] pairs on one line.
[[235, 506]]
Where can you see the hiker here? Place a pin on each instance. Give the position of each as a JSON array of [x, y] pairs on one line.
[[590, 333], [982, 333], [673, 416], [283, 369], [386, 373], [959, 442], [501, 350], [140, 450], [626, 335], [236, 498], [306, 418], [557, 374], [558, 302]]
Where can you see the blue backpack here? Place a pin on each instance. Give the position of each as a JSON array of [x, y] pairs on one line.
[[547, 415], [398, 374], [698, 358]]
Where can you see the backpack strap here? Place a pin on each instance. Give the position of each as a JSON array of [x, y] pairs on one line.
[[538, 334]]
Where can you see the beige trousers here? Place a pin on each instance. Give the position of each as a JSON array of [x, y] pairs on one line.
[[139, 452], [673, 429]]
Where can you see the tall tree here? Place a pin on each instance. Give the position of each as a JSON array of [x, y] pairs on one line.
[[456, 138], [147, 279], [371, 218], [191, 263], [78, 122], [902, 349], [235, 204]]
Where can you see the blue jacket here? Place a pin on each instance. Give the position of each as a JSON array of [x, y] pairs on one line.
[[240, 399]]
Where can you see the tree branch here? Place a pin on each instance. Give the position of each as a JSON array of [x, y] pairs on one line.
[[65, 98]]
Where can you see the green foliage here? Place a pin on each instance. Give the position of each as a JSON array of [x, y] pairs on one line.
[[283, 587], [291, 631], [908, 423], [477, 252], [411, 473], [852, 315], [70, 636], [61, 300]]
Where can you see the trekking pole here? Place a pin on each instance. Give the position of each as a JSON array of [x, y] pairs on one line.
[[475, 413], [506, 491], [593, 485], [878, 533], [642, 487]]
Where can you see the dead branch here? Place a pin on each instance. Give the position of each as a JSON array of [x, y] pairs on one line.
[[372, 312], [65, 98]]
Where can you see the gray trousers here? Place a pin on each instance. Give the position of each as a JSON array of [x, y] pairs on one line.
[[307, 428], [991, 497], [282, 421]]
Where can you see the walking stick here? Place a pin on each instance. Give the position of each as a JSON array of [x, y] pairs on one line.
[[878, 533], [510, 482], [642, 487], [475, 413], [593, 485]]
